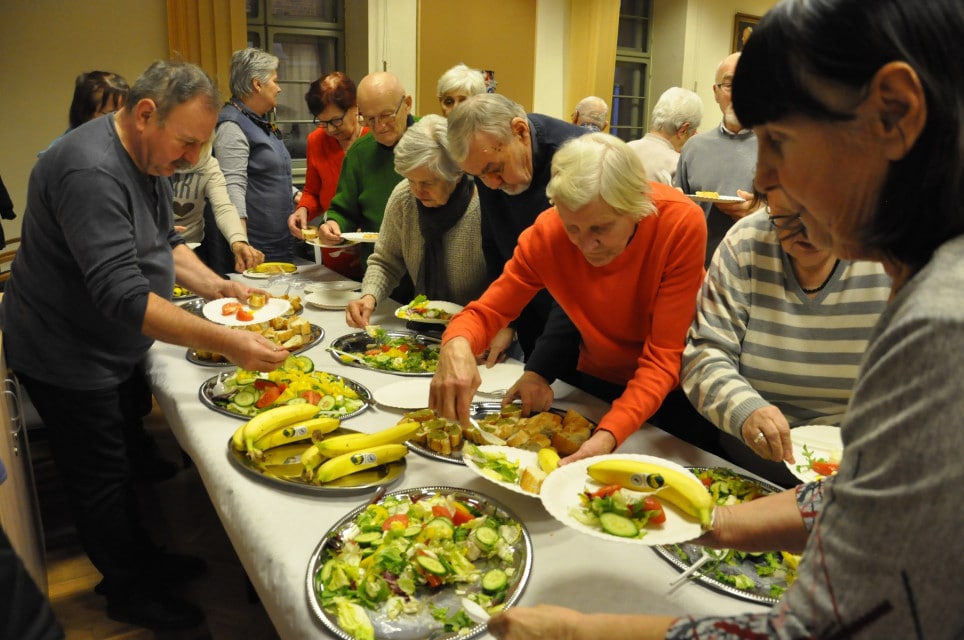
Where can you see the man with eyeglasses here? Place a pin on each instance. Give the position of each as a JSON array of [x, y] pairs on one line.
[[722, 161]]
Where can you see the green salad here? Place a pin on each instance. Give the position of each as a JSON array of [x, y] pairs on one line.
[[399, 353]]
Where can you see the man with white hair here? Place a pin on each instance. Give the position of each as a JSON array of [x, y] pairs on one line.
[[675, 119], [592, 112]]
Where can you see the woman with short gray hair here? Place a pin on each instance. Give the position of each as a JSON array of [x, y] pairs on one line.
[[255, 162], [457, 84], [431, 229]]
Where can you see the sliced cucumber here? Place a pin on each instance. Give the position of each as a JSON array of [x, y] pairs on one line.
[[431, 565], [245, 397], [618, 525], [245, 377], [327, 403], [368, 537], [304, 364], [439, 529], [494, 580], [297, 400], [486, 537]]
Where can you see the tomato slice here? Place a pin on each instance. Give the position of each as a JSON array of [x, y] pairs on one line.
[[400, 518], [825, 468], [261, 384], [606, 491], [650, 503], [441, 511], [268, 397], [312, 396], [243, 315], [462, 514], [230, 308]]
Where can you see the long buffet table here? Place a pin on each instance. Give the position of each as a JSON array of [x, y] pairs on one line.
[[275, 531]]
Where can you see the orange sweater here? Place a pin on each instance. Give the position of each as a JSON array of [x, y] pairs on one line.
[[632, 313]]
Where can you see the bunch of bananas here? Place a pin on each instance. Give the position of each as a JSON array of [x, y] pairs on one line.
[[290, 442], [676, 487]]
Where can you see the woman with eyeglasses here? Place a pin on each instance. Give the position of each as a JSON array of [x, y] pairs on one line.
[[779, 332], [253, 157]]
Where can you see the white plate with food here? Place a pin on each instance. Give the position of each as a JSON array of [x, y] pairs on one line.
[[428, 311], [817, 449], [331, 299], [226, 311], [269, 270], [562, 488], [407, 394], [707, 196], [496, 464], [360, 236]]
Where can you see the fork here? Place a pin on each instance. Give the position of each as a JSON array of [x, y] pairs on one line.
[[495, 393]]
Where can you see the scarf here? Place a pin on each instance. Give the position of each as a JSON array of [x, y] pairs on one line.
[[434, 223], [262, 121]]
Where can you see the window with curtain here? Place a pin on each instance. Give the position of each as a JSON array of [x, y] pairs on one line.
[[631, 75], [308, 36]]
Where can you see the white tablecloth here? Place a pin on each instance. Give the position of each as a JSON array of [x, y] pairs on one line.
[[275, 531]]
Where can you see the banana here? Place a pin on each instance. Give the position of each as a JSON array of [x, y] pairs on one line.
[[548, 459], [359, 460], [310, 460], [272, 419], [676, 487], [295, 432], [331, 447], [275, 267], [286, 454]]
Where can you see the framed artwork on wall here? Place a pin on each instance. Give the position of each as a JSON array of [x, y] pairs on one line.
[[743, 25]]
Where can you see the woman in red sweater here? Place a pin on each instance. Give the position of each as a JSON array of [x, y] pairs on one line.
[[624, 259]]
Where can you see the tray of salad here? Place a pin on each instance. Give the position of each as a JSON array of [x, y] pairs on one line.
[[403, 353], [428, 562], [243, 394], [756, 577]]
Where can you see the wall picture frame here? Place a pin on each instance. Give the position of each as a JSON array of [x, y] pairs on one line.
[[743, 25]]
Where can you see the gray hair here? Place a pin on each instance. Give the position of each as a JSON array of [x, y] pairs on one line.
[[170, 84], [425, 144], [461, 78], [594, 110], [248, 65], [489, 113], [674, 108], [600, 164]]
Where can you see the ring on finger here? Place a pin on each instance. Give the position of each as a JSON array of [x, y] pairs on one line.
[[759, 438]]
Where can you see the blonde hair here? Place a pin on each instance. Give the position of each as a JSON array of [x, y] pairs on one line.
[[600, 164]]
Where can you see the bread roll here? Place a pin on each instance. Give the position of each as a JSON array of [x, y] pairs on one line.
[[567, 443]]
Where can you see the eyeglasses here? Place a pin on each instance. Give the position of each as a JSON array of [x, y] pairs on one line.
[[788, 225], [334, 123], [385, 118], [726, 86]]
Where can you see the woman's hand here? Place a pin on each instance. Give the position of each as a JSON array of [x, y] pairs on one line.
[[534, 623], [359, 312], [533, 390], [245, 256], [329, 232], [767, 432], [298, 221], [599, 443], [455, 381]]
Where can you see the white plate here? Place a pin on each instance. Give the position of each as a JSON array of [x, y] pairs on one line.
[[192, 245], [561, 489], [287, 269], [331, 298], [716, 199], [500, 377], [523, 457], [402, 313], [272, 309], [360, 236], [822, 440], [407, 394], [336, 285]]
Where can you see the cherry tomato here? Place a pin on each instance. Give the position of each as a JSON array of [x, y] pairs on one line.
[[825, 468], [400, 518]]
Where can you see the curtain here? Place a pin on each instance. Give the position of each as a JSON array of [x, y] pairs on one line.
[[207, 32], [593, 28]]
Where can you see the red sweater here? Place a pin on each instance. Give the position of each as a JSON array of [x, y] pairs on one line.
[[323, 155], [632, 313]]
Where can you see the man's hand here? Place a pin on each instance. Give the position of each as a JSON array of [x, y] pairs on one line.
[[298, 221], [737, 210], [253, 352], [329, 232], [455, 381], [497, 348], [534, 623], [245, 256], [359, 312], [774, 444], [231, 289], [533, 390], [599, 443]]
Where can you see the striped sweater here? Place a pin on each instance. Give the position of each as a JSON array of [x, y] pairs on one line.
[[759, 340]]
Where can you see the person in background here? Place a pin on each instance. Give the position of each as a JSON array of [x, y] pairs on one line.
[[721, 160], [675, 119], [781, 326], [457, 84], [860, 130], [202, 185], [6, 212], [332, 100], [624, 260], [431, 227], [510, 153], [368, 172], [96, 93], [253, 157], [81, 310], [592, 113]]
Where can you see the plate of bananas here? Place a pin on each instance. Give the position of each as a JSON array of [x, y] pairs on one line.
[[291, 447], [602, 496]]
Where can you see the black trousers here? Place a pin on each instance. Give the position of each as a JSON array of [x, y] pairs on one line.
[[25, 612], [89, 434]]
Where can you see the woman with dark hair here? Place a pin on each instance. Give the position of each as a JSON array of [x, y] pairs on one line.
[[860, 129], [96, 93]]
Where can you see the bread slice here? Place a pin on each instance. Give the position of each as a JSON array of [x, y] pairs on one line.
[[567, 443], [531, 479]]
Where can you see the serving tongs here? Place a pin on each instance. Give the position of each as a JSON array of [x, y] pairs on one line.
[[344, 355], [221, 392]]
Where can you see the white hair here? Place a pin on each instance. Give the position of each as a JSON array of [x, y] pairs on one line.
[[674, 108], [425, 144], [461, 78]]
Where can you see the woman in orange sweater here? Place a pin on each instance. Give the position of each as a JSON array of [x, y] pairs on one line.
[[624, 259]]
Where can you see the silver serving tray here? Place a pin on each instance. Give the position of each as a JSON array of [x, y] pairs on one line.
[[204, 394], [317, 334], [360, 342], [761, 595], [407, 629], [382, 475]]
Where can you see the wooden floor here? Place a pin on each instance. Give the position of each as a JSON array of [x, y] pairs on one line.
[[181, 517]]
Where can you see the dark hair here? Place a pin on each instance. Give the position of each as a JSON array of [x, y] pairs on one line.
[[846, 42], [170, 84], [93, 91], [334, 88]]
